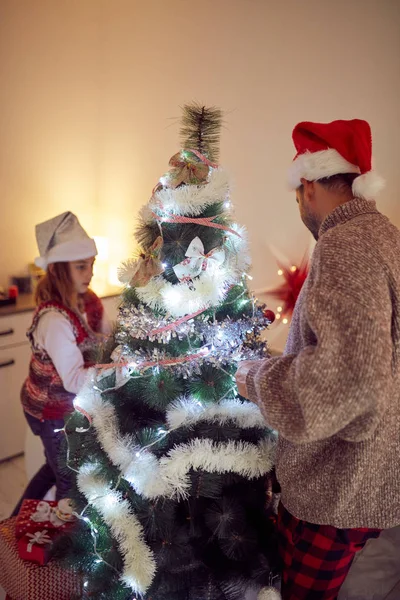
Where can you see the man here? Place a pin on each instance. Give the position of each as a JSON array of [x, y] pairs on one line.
[[334, 396]]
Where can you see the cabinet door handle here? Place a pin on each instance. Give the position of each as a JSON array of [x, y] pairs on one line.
[[7, 331], [7, 363]]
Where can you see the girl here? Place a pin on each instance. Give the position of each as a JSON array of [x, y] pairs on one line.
[[67, 324]]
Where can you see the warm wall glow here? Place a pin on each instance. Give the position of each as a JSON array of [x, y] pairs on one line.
[[91, 92], [102, 247]]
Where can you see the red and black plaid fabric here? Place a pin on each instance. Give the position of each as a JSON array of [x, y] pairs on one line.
[[316, 558]]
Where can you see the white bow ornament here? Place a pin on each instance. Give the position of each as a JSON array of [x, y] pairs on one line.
[[40, 537], [197, 261]]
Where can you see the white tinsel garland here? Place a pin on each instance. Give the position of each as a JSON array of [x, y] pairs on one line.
[[187, 411], [169, 476], [139, 563], [183, 299], [193, 199]]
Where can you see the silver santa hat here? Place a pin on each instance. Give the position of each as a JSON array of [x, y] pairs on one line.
[[63, 239]]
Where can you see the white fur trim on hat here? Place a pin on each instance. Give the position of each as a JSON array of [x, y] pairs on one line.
[[368, 185], [317, 165], [68, 251]]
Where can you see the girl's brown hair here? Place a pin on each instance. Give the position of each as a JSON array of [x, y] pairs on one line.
[[57, 285]]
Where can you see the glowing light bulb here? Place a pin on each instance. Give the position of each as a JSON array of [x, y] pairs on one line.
[[280, 272], [279, 309], [227, 204], [278, 316], [137, 454], [111, 500], [173, 295], [164, 265], [285, 321], [293, 269]]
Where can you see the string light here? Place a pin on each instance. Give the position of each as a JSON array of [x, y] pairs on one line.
[[280, 272], [285, 321], [293, 268], [278, 316], [279, 309]]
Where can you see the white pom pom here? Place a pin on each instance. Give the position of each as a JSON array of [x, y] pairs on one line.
[[367, 186], [269, 593]]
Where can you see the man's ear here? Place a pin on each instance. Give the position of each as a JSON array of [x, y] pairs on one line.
[[309, 189]]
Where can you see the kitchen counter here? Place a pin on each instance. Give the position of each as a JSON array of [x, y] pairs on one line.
[[26, 302]]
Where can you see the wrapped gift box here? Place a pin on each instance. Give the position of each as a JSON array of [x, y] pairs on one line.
[[24, 580], [35, 547], [37, 515]]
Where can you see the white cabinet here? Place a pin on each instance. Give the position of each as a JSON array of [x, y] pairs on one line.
[[14, 362]]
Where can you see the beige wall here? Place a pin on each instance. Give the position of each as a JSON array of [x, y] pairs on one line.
[[88, 89]]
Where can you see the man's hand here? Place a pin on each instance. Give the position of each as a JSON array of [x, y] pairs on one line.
[[241, 376]]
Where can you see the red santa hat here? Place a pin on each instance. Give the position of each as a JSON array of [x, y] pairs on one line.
[[326, 149]]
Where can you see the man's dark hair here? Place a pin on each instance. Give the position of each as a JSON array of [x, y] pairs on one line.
[[340, 183]]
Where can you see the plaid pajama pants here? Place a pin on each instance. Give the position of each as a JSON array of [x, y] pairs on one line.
[[316, 558]]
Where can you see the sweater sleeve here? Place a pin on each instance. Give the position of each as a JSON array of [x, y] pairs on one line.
[[55, 335], [346, 375]]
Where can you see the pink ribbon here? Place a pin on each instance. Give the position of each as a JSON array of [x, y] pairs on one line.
[[167, 362], [203, 158], [176, 323], [85, 414], [206, 221]]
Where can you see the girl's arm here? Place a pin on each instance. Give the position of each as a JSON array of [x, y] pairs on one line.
[[55, 335]]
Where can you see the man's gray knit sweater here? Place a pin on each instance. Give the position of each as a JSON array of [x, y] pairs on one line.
[[334, 396]]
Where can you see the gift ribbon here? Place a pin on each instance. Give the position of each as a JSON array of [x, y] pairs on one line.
[[176, 323], [85, 414], [205, 221], [40, 537], [196, 261], [166, 362], [203, 158]]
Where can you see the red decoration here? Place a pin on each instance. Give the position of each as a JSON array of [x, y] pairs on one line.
[[269, 314], [287, 293]]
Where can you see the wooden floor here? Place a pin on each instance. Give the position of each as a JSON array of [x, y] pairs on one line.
[[12, 484]]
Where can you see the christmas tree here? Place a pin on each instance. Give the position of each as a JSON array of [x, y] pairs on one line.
[[173, 469]]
